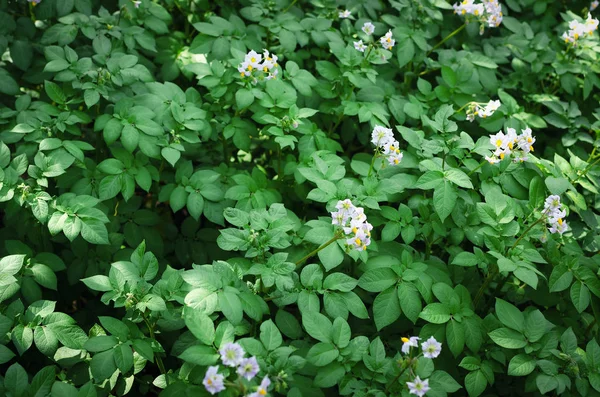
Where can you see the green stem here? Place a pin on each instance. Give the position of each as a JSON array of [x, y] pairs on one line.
[[586, 169], [458, 30], [372, 163], [159, 361], [290, 6], [476, 168], [542, 218], [314, 252], [395, 379]]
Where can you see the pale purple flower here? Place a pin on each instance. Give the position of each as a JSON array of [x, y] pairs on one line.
[[262, 389], [418, 386], [345, 14], [431, 348], [213, 381], [360, 46], [232, 354], [248, 368]]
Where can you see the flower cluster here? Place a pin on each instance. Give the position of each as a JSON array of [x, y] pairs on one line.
[[475, 109], [383, 139], [232, 355], [511, 143], [488, 12], [387, 41], [555, 214], [354, 223], [255, 62], [431, 348], [578, 30]]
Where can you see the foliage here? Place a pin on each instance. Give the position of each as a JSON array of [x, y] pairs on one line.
[[162, 197]]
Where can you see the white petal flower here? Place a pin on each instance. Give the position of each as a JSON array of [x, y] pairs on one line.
[[407, 343], [431, 348], [345, 14], [368, 28], [418, 387], [360, 46]]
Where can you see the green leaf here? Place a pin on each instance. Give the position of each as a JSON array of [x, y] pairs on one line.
[[45, 340], [330, 375], [580, 296], [466, 259], [509, 315], [200, 325], [378, 279], [449, 76], [22, 338], [11, 264], [195, 205], [55, 92], [270, 335], [436, 313], [560, 278], [475, 383], [318, 326], [386, 308], [200, 355], [322, 354], [339, 282], [243, 98], [455, 337], [171, 155], [230, 305], [103, 365], [508, 338], [444, 199], [98, 283], [546, 383], [123, 357], [459, 178], [100, 343], [94, 231], [521, 365], [44, 276], [410, 301], [16, 380], [5, 354]]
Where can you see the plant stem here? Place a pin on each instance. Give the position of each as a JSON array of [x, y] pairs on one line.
[[586, 169], [290, 6], [395, 379], [159, 361], [372, 163], [528, 229], [458, 30], [476, 168], [314, 252]]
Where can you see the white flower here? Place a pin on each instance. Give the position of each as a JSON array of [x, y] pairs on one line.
[[387, 41], [353, 222], [395, 158], [558, 227], [137, 3], [407, 343], [381, 135], [248, 368], [492, 160], [253, 58], [232, 354], [368, 28], [594, 4], [345, 14], [498, 140], [418, 387], [360, 46], [578, 29], [431, 348]]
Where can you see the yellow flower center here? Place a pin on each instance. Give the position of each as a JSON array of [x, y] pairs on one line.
[[262, 392], [510, 145], [389, 40], [476, 12], [396, 161], [576, 35], [531, 148], [209, 381], [357, 241], [404, 340], [464, 12], [560, 221], [266, 69], [250, 67], [354, 230], [499, 142], [252, 59], [529, 139], [502, 156]]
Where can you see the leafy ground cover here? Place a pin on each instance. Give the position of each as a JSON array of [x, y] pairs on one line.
[[299, 197]]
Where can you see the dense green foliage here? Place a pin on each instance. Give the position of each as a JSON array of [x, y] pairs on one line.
[[158, 203]]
